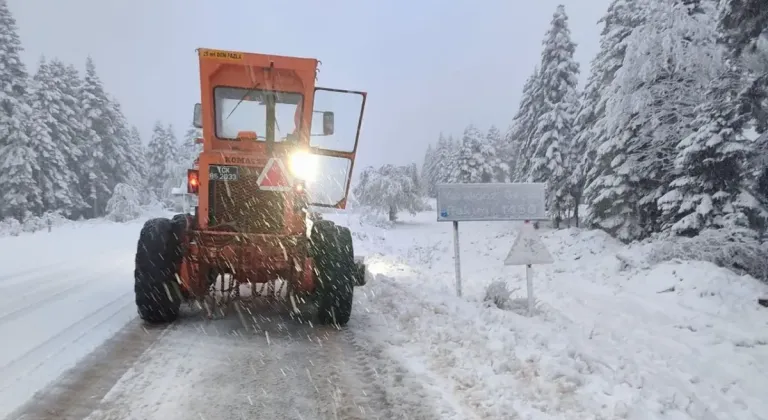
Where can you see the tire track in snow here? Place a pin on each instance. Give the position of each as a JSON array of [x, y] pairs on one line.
[[49, 270], [385, 383], [277, 369], [353, 388], [32, 270], [40, 280], [57, 293], [19, 378], [67, 332], [79, 390], [211, 369]]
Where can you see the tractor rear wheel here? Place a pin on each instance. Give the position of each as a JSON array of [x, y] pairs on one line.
[[158, 254], [331, 248], [182, 223]]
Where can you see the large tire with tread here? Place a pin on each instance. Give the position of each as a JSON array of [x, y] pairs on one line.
[[182, 223], [158, 255], [333, 254]]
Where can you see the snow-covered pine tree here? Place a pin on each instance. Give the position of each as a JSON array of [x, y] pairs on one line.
[[742, 22], [758, 169], [557, 82], [499, 155], [84, 160], [178, 163], [98, 175], [19, 170], [80, 157], [743, 26], [160, 159], [70, 119], [650, 106], [472, 159], [622, 17], [708, 191], [189, 150], [524, 123], [45, 152], [454, 156], [127, 168], [443, 163], [412, 171], [136, 150], [464, 167], [743, 30], [184, 156], [54, 139], [486, 156], [428, 171], [170, 131], [510, 151]]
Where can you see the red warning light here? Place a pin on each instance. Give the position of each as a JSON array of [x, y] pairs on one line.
[[193, 181]]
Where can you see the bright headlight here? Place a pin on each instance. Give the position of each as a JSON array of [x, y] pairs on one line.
[[304, 166]]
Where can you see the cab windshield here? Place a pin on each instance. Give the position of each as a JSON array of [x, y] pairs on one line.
[[239, 109]]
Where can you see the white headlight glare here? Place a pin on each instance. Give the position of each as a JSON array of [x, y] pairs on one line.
[[304, 166]]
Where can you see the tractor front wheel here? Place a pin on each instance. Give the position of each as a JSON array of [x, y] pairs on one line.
[[158, 254], [335, 267]]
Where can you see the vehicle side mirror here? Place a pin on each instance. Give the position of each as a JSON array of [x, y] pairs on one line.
[[327, 123], [197, 118]]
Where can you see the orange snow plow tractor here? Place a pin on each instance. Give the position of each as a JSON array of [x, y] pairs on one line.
[[274, 145]]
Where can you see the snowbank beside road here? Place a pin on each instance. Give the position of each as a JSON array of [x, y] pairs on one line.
[[124, 212], [615, 337]]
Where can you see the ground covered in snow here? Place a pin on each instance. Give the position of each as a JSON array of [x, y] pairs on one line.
[[613, 336], [61, 295]]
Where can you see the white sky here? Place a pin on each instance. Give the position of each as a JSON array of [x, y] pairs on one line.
[[427, 65]]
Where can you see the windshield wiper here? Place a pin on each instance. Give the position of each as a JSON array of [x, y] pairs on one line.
[[248, 92]]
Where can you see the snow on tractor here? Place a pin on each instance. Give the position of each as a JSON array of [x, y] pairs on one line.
[[261, 170]]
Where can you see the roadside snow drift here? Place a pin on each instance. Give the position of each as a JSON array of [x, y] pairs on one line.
[[613, 337]]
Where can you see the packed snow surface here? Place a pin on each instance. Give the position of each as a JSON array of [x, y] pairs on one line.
[[613, 336], [61, 295]]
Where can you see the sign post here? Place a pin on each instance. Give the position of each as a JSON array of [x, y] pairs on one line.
[[528, 250], [494, 202], [456, 260]]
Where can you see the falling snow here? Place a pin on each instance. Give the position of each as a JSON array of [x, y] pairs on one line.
[[614, 335]]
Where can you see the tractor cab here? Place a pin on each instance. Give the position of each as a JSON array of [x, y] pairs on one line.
[[260, 110], [273, 145]]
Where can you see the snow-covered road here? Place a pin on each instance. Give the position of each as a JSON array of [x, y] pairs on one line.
[[612, 338], [196, 368], [211, 370], [61, 295]]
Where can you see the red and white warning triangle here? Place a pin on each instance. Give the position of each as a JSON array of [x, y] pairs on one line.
[[275, 177]]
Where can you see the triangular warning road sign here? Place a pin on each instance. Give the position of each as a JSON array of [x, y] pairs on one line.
[[528, 249], [274, 177]]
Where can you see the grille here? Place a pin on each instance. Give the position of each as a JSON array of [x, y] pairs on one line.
[[241, 206]]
